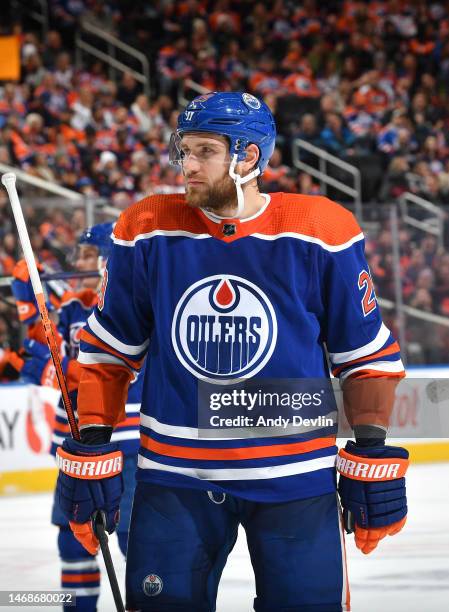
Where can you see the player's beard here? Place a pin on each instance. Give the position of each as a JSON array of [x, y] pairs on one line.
[[222, 194]]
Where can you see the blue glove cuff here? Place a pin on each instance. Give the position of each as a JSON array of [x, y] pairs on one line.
[[78, 448], [376, 452]]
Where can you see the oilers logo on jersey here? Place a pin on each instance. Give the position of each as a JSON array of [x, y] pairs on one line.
[[152, 585], [75, 336], [224, 328]]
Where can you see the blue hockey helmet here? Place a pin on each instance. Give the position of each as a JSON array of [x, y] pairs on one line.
[[98, 236], [241, 117]]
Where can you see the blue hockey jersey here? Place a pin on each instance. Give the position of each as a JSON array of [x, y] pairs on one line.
[[73, 312], [215, 300], [73, 309]]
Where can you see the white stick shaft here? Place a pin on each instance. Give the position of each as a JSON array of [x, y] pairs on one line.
[[9, 181]]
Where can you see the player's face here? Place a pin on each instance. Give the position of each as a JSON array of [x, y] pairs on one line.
[[206, 170], [87, 260]]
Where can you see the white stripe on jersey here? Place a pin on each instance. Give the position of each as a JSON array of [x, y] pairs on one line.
[[333, 248], [132, 408], [382, 336], [269, 471], [131, 243], [85, 591], [79, 565], [173, 233], [379, 366], [193, 433], [103, 334], [128, 434], [93, 358]]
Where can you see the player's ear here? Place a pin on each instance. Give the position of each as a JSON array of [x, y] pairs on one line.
[[252, 157]]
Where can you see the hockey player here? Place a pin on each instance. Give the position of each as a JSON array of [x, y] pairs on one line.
[[80, 570], [222, 284]]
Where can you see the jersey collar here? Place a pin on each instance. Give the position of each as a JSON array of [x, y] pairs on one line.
[[229, 230]]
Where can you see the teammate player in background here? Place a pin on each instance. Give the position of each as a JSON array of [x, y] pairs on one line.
[[80, 571], [221, 284]]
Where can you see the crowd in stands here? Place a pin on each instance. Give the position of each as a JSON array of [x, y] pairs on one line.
[[425, 286], [368, 81]]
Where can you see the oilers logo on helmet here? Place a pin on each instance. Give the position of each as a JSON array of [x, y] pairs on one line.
[[251, 101], [224, 328]]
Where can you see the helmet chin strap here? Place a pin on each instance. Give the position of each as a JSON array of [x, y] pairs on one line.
[[239, 181]]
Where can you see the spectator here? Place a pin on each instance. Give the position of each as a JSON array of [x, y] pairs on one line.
[[370, 96], [82, 109], [307, 186], [433, 154], [52, 48], [64, 72], [200, 40], [232, 67], [301, 85], [396, 181], [8, 253], [308, 131], [275, 173], [441, 288], [336, 137], [266, 79], [174, 64], [205, 70], [329, 103], [141, 111], [128, 90], [50, 100], [396, 135], [39, 167], [4, 334]]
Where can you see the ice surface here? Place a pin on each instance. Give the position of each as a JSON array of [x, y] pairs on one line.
[[408, 573]]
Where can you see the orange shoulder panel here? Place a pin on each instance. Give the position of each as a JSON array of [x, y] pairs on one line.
[[20, 270], [88, 297], [167, 212], [313, 216]]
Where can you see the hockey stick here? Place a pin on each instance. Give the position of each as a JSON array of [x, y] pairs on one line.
[[98, 523], [9, 181], [98, 519]]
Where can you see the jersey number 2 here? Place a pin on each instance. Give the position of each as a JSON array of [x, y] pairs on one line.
[[369, 297]]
